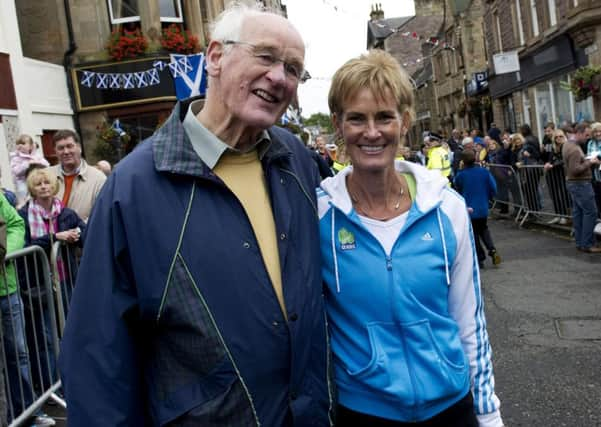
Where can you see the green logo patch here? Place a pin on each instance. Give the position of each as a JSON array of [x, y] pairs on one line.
[[346, 239]]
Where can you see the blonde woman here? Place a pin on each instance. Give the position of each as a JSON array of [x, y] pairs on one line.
[[403, 297]]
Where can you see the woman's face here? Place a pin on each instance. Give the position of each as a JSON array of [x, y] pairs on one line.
[[560, 138], [371, 129], [42, 188], [597, 135]]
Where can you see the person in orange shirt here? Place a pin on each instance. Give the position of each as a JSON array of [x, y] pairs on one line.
[[79, 183]]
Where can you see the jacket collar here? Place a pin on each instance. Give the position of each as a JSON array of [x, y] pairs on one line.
[[173, 151], [430, 186], [81, 172]]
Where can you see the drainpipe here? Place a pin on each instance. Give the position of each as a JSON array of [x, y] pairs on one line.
[[67, 59]]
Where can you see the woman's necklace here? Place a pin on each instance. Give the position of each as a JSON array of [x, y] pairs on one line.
[[358, 205]]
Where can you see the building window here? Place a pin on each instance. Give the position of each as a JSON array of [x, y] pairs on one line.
[[555, 103], [171, 10], [534, 20], [122, 11], [552, 12], [520, 26]]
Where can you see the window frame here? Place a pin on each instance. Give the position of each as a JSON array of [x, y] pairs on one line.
[[178, 7], [534, 27], [518, 12], [117, 21], [552, 6]]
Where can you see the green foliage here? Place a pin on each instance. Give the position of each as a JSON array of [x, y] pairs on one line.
[[320, 119], [110, 145], [585, 82]]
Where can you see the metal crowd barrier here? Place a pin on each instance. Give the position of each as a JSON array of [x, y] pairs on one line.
[[64, 260], [533, 192], [32, 320]]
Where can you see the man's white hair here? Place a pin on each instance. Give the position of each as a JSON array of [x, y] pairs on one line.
[[228, 24]]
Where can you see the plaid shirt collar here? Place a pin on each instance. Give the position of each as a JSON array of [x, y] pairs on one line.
[[173, 151]]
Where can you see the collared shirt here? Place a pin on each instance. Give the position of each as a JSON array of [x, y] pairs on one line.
[[208, 146]]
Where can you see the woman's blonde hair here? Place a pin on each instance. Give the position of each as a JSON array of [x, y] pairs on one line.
[[377, 71], [37, 174], [516, 139]]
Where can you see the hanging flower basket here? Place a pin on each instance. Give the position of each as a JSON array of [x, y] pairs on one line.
[[174, 39], [110, 144], [126, 44], [586, 82]]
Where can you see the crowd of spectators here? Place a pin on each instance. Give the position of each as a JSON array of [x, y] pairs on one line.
[[50, 204]]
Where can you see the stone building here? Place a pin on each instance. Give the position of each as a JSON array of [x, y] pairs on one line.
[[460, 68], [533, 48], [410, 40], [74, 34], [33, 92]]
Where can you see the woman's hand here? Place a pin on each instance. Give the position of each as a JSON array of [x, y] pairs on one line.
[[548, 166], [69, 236]]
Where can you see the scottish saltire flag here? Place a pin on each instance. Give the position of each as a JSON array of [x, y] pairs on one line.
[[88, 78], [189, 75]]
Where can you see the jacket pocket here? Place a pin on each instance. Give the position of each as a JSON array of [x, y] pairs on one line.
[[407, 365], [218, 399]]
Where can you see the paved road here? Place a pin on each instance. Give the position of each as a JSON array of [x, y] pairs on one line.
[[538, 300]]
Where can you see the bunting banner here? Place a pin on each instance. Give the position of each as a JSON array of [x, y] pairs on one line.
[[188, 72], [134, 80], [434, 41]]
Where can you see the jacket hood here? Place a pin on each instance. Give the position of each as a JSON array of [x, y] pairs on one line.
[[430, 186]]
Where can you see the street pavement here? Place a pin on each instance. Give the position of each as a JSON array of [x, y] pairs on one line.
[[543, 308]]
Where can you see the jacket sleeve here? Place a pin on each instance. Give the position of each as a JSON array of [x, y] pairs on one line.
[[466, 307], [15, 227], [2, 239], [100, 361]]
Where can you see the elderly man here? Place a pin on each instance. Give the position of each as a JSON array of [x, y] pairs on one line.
[[79, 184], [200, 301]]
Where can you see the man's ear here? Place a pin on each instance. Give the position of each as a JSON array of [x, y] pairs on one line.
[[214, 55]]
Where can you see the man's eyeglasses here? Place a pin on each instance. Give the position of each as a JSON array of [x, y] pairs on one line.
[[268, 58]]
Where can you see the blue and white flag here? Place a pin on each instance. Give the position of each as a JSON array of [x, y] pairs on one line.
[[152, 77], [88, 78], [159, 64], [128, 81], [102, 80], [141, 79], [115, 81], [189, 75]]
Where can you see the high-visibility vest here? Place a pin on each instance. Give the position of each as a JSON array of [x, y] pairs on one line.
[[338, 166], [438, 158]]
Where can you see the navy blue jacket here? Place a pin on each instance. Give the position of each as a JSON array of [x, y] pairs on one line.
[[174, 320], [477, 186]]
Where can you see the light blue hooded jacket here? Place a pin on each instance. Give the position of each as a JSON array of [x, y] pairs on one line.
[[408, 331]]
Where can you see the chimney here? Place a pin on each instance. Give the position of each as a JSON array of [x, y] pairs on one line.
[[373, 13], [380, 11]]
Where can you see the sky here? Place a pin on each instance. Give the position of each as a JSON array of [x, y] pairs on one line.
[[334, 32]]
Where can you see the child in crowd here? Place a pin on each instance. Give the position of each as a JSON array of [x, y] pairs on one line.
[[21, 159]]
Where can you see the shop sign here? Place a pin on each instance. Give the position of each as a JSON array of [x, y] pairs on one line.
[[506, 62]]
